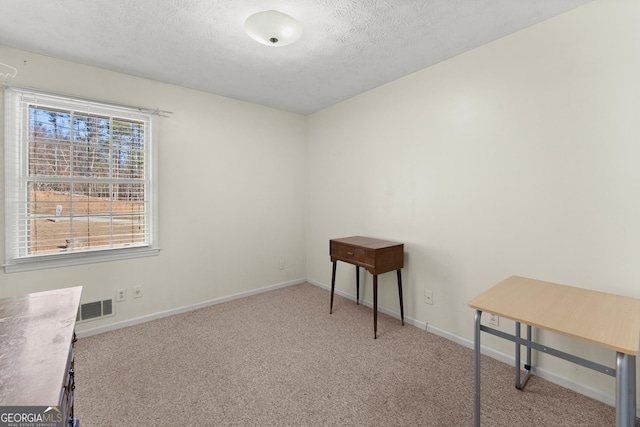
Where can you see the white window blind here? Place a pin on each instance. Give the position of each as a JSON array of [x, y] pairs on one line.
[[79, 178]]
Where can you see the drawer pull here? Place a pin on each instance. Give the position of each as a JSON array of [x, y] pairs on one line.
[[350, 253]]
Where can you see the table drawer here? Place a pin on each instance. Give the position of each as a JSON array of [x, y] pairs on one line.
[[351, 253]]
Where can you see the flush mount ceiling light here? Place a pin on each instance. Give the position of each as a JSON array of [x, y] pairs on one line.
[[273, 28]]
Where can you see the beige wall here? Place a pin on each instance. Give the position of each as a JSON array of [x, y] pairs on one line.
[[229, 195], [517, 158]]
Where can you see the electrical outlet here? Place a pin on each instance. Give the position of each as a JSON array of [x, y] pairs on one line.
[[137, 291], [121, 294], [428, 297], [494, 319], [283, 264]]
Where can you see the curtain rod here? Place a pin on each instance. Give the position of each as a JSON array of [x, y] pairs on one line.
[[152, 111]]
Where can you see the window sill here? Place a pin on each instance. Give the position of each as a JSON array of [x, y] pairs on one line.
[[68, 260]]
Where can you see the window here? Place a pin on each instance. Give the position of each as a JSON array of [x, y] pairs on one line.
[[79, 181]]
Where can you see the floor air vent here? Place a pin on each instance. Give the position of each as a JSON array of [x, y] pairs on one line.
[[95, 310]]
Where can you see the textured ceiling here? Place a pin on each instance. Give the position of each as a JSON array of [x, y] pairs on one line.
[[347, 46]]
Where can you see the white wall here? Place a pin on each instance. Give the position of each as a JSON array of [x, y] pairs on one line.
[[517, 158], [229, 195]]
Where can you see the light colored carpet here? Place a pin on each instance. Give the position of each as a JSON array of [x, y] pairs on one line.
[[280, 359]]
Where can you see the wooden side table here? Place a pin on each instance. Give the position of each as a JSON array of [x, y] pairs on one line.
[[376, 256]]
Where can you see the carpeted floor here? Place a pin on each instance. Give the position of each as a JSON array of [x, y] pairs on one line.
[[279, 359]]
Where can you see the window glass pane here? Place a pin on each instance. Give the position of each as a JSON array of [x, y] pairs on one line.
[[128, 149], [49, 124], [49, 150], [91, 147], [129, 208], [50, 225]]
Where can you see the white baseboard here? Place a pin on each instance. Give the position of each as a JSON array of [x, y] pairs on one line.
[[184, 309], [502, 357]]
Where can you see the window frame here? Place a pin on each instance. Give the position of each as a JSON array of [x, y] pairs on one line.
[[16, 162]]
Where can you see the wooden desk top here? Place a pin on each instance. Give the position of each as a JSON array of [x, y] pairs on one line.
[[610, 321], [367, 242], [36, 331]]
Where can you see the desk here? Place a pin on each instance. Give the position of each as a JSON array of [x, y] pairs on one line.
[[607, 320], [376, 256]]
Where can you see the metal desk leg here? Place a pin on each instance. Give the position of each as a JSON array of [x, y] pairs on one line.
[[521, 382], [357, 285], [528, 365], [400, 295], [625, 390], [476, 345], [333, 285], [632, 390]]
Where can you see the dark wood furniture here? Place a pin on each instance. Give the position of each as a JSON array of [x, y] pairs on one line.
[[36, 355], [376, 256]]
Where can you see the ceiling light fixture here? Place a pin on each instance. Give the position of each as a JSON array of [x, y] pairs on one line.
[[273, 28]]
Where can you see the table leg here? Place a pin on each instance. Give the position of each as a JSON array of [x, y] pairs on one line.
[[476, 346], [357, 285], [518, 384], [333, 285], [528, 364], [400, 295], [632, 390], [625, 390], [522, 381], [375, 306]]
